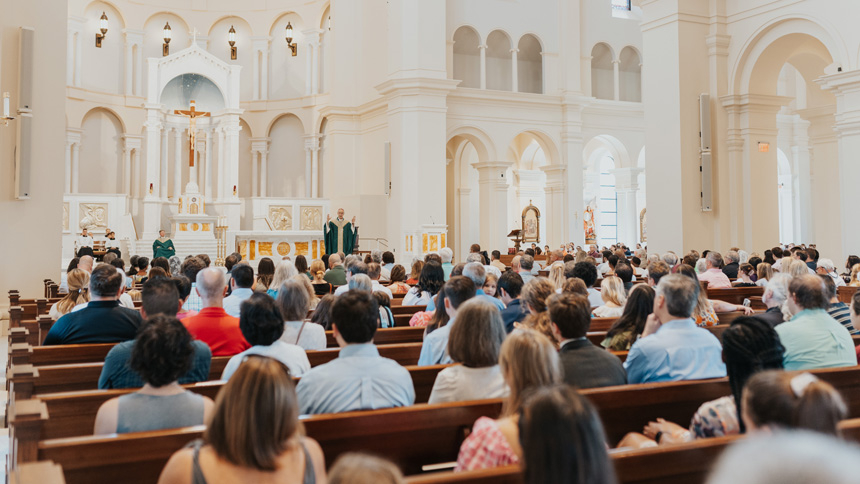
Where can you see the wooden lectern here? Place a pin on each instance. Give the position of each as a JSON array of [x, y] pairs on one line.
[[515, 236]]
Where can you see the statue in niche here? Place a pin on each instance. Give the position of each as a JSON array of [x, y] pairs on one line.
[[643, 230], [588, 225], [93, 216], [281, 218]]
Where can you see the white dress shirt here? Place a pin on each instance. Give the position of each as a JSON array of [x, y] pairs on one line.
[[85, 241]]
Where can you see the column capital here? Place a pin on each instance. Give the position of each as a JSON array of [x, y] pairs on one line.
[[132, 141], [493, 171], [73, 135], [133, 36], [626, 178], [312, 141], [553, 171], [260, 145]]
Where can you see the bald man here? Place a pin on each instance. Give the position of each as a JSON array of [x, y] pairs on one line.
[[336, 276], [212, 324]]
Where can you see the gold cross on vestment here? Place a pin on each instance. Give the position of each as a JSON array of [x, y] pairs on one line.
[[192, 114]]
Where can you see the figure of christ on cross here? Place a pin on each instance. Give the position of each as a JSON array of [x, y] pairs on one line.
[[192, 115]]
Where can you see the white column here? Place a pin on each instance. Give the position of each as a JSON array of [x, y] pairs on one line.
[[315, 171], [209, 168], [255, 75], [134, 187], [626, 186], [126, 169], [232, 144], [78, 62], [165, 164], [254, 175], [177, 163], [554, 214], [515, 84], [222, 179], [616, 70], [308, 157], [493, 196], [76, 166], [68, 168], [315, 73], [129, 67], [264, 172], [483, 50]]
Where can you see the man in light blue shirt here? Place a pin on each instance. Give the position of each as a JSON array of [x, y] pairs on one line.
[[476, 272], [447, 255], [358, 379], [242, 285], [672, 347], [812, 338], [434, 351]]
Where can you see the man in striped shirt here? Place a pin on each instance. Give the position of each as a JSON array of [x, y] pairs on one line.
[[837, 310]]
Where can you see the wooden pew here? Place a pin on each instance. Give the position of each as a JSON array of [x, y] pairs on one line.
[[846, 293], [32, 380], [41, 472], [387, 336], [735, 295]]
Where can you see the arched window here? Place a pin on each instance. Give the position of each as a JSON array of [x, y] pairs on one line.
[[530, 65], [499, 70], [630, 75], [602, 72], [467, 57]]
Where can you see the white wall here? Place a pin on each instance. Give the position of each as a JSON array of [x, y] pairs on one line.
[[286, 158], [101, 153]]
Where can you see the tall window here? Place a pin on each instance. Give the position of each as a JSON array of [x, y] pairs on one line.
[[607, 231]]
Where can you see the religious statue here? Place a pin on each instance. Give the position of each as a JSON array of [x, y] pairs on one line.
[[163, 246], [588, 225], [94, 216], [192, 114], [339, 234], [643, 233]]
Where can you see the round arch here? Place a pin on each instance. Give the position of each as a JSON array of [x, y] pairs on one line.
[[297, 27], [480, 139], [546, 143], [281, 115], [106, 109], [324, 15], [240, 21], [114, 7], [610, 144], [467, 27]]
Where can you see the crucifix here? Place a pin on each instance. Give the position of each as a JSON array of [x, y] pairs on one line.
[[192, 115]]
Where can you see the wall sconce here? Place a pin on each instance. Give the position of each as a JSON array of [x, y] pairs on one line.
[[292, 45], [329, 22], [6, 115], [165, 49], [231, 39], [103, 27]]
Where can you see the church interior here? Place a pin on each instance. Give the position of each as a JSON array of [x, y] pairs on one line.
[[666, 126]]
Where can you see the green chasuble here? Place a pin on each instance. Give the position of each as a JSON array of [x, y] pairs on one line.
[[163, 247], [339, 236]]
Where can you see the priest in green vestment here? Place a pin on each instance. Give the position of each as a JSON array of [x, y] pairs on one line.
[[163, 247], [339, 234]]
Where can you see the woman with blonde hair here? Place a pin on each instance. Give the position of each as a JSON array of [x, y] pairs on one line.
[[533, 297], [855, 276], [764, 273], [474, 343], [320, 285], [556, 275], [528, 360], [356, 468], [415, 274], [284, 270], [614, 296], [260, 395], [796, 268], [78, 281]]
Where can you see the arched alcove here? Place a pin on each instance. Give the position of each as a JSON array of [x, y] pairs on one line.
[[153, 36], [530, 65], [287, 74], [602, 72], [499, 70], [101, 167], [527, 180], [463, 194], [101, 68], [630, 75], [467, 57], [326, 40], [286, 161], [220, 48], [602, 155], [181, 90]]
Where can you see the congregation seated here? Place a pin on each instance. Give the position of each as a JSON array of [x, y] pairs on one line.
[[358, 379], [491, 284], [77, 292], [242, 286], [812, 338], [386, 317], [510, 287], [265, 274], [158, 297], [585, 365], [320, 285], [529, 361], [397, 278], [434, 351], [562, 439], [103, 320], [476, 272], [746, 276], [713, 275], [629, 326], [322, 313], [212, 325], [474, 344], [336, 275], [284, 271], [750, 346], [63, 287], [415, 272], [183, 287], [587, 273], [614, 296], [162, 353], [837, 309], [446, 256], [234, 449], [672, 347], [732, 264], [373, 272], [535, 295], [262, 325], [526, 267], [294, 302], [430, 282], [190, 268]]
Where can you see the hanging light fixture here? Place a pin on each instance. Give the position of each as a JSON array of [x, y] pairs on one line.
[[165, 49], [231, 39], [103, 28], [292, 45]]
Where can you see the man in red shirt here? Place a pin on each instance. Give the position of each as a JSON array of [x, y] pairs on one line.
[[212, 325]]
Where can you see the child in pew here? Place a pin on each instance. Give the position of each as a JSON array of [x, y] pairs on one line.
[[749, 346], [162, 353], [235, 448], [262, 326], [474, 343], [355, 468], [563, 440], [529, 361]]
